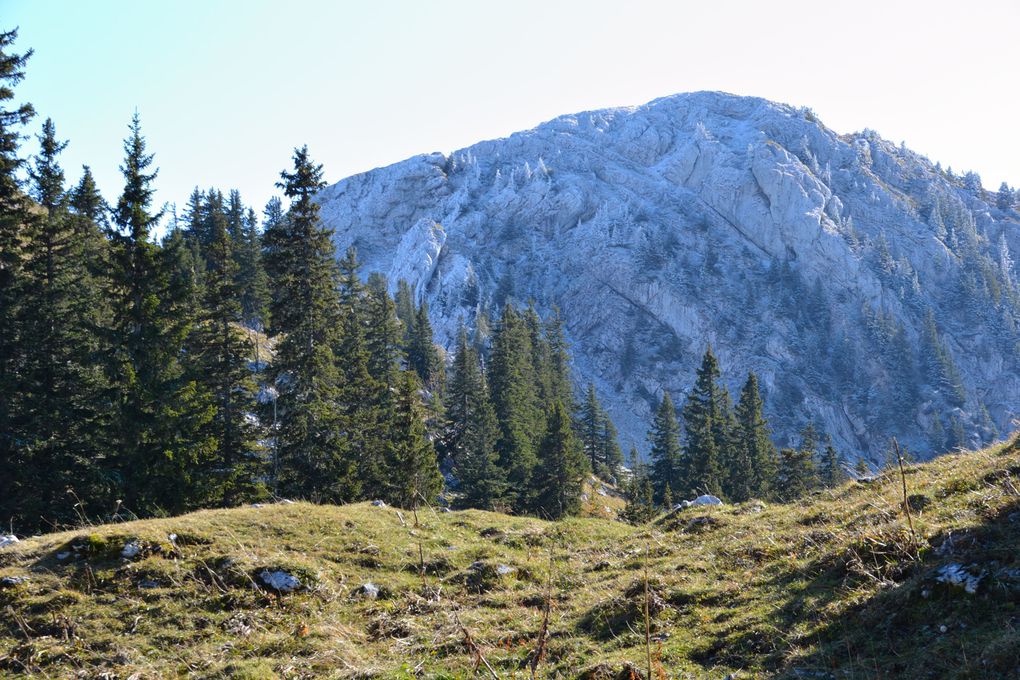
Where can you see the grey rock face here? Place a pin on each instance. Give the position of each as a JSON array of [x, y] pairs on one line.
[[808, 257]]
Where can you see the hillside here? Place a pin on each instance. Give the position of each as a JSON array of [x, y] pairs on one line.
[[809, 257], [831, 586]]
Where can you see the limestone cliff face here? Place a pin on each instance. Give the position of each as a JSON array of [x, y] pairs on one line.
[[808, 257]]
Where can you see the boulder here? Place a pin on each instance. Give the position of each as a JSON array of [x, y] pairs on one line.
[[707, 499], [279, 580], [7, 539]]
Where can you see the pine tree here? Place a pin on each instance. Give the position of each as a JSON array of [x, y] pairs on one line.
[[405, 309], [159, 412], [559, 477], [414, 476], [830, 470], [640, 501], [422, 354], [668, 465], [61, 385], [251, 280], [756, 463], [591, 429], [314, 458], [1004, 198], [470, 438], [796, 474], [560, 388], [612, 456], [14, 217], [705, 422], [222, 352], [367, 405], [512, 390]]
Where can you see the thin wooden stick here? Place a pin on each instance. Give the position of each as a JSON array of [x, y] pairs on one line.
[[475, 650], [648, 621], [906, 503]]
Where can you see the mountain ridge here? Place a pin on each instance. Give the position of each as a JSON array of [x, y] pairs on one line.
[[659, 222]]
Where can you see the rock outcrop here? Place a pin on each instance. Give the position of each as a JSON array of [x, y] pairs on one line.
[[808, 257]]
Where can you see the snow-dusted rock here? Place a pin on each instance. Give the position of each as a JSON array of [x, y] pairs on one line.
[[368, 591], [279, 580], [959, 576], [131, 549], [7, 539], [707, 499], [701, 219], [378, 504]]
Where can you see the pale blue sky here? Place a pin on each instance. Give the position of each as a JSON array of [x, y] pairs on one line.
[[227, 89]]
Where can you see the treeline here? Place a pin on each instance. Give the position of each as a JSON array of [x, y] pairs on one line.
[[138, 377], [238, 359], [726, 451]]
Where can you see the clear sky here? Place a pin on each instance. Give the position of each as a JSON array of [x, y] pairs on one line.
[[227, 89]]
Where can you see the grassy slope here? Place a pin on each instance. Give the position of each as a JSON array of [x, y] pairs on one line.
[[827, 585]]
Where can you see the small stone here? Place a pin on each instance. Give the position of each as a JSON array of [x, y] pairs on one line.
[[280, 580], [378, 504], [943, 629], [8, 539], [707, 499], [11, 581], [131, 549], [369, 591], [503, 570], [63, 555], [149, 584]]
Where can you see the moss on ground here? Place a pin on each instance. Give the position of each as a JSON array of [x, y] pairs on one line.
[[835, 585]]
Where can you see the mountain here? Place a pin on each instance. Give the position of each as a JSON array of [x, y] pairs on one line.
[[871, 291], [838, 585]]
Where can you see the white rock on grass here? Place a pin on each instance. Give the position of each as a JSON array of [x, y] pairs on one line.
[[368, 591], [131, 549], [957, 575], [8, 539], [280, 580], [379, 504], [707, 499]]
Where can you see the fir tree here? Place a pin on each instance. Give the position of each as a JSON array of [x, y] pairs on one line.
[[471, 433], [590, 427], [704, 423], [314, 458], [754, 474], [404, 301], [796, 473], [14, 216], [222, 356], [668, 465], [250, 279], [62, 385], [830, 470], [422, 354], [413, 476], [559, 478], [512, 390], [611, 456]]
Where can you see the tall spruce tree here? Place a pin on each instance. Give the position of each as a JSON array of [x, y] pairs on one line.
[[705, 422], [591, 429], [15, 215], [422, 354], [62, 384], [831, 471], [470, 437], [315, 460], [251, 280], [512, 390], [413, 478], [559, 477], [222, 352], [668, 464], [754, 474], [160, 412]]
